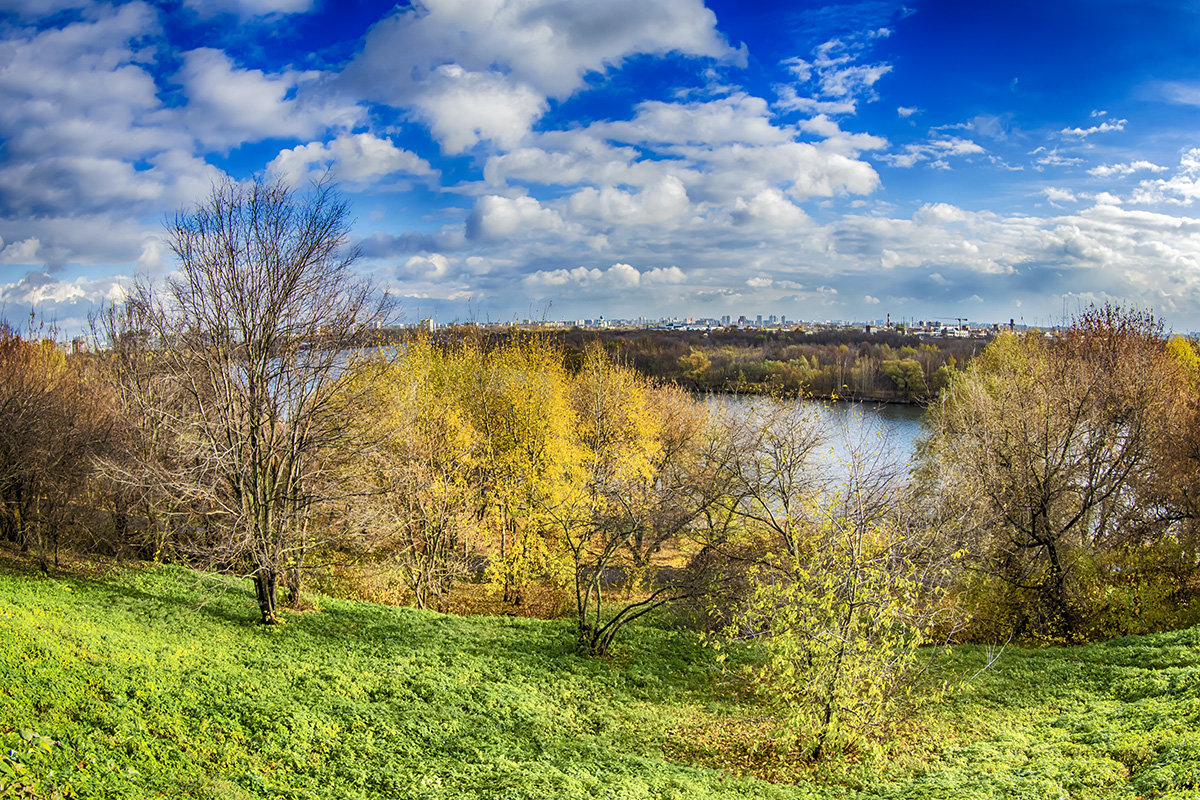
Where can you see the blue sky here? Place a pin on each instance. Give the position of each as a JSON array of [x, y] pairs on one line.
[[571, 158]]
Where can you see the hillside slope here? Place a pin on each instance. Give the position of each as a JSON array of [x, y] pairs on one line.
[[158, 683]]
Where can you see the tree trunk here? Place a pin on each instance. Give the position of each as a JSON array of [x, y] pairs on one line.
[[265, 579]]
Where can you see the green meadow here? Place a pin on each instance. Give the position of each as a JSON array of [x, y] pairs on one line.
[[137, 683]]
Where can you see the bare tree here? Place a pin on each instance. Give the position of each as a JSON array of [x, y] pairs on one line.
[[245, 343]]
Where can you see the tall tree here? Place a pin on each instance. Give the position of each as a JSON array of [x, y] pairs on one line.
[[248, 336], [1047, 444]]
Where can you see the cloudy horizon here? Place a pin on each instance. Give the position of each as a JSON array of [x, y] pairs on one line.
[[566, 158]]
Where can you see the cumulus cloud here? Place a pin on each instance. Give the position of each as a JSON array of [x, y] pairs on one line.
[[1103, 127], [618, 276], [23, 252], [359, 158], [737, 118], [1057, 195], [64, 303], [497, 217], [1122, 170], [228, 105], [1182, 188], [770, 208], [82, 89], [660, 202], [498, 63], [430, 267]]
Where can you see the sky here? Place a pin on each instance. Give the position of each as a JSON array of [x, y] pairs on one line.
[[567, 159]]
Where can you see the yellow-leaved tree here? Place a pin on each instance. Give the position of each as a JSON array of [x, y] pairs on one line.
[[412, 479], [639, 485], [515, 395]]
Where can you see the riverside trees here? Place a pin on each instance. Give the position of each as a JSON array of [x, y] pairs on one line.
[[1050, 455], [571, 480], [238, 356]]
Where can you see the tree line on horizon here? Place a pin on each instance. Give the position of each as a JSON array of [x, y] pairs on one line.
[[883, 366], [228, 425]]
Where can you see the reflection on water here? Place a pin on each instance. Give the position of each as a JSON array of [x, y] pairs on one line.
[[890, 428], [882, 435]]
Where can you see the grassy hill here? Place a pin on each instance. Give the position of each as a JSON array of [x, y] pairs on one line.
[[157, 683]]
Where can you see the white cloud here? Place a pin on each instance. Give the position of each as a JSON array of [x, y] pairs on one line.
[[464, 108], [250, 8], [664, 275], [791, 100], [801, 169], [1052, 157], [737, 118], [497, 217], [1103, 127], [936, 151], [359, 158], [1128, 168], [1059, 195], [22, 252], [228, 106], [450, 59], [82, 89], [907, 111], [658, 203], [64, 303], [618, 276], [941, 213], [837, 81], [770, 208], [569, 158], [430, 267], [1182, 188], [673, 162], [155, 256]]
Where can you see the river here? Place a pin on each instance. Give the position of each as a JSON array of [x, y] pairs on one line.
[[883, 434]]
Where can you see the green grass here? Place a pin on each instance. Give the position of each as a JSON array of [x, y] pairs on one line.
[[158, 683]]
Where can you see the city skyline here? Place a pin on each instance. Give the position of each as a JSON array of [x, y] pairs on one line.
[[510, 159]]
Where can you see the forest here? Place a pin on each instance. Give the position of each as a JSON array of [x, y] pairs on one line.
[[233, 425], [887, 365]]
